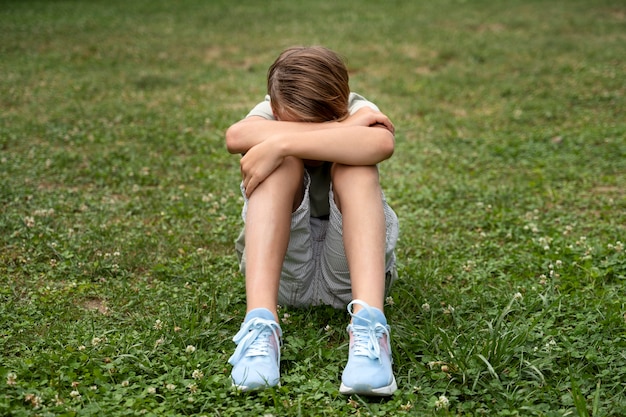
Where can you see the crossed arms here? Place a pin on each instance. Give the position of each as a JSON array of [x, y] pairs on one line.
[[357, 140]]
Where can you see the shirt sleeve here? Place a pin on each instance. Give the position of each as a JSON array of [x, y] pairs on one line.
[[357, 102], [263, 109]]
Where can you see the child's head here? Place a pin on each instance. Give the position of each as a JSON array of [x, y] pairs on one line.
[[308, 84]]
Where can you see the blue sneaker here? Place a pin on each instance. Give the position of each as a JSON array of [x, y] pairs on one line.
[[256, 361], [368, 371]]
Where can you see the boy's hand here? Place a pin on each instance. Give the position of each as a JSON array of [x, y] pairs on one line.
[[368, 117], [257, 164]]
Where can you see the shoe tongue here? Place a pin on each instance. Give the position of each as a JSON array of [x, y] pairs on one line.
[[369, 316], [259, 313]]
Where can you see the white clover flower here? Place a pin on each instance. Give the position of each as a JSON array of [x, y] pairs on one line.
[[151, 390], [75, 394], [34, 400], [190, 349], [159, 342], [81, 347], [170, 387], [158, 324], [442, 402], [389, 301], [327, 328], [193, 388], [197, 374], [96, 341], [518, 296], [426, 307], [550, 345], [125, 383], [448, 310], [468, 266], [11, 379], [285, 318]]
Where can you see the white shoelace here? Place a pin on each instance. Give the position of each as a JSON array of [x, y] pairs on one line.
[[254, 339], [366, 338]]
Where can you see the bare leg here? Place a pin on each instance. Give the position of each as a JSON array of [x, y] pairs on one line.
[[268, 222], [359, 198]]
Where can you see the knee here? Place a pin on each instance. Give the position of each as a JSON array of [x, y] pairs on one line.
[[354, 176], [290, 172], [355, 184], [293, 166], [285, 182]]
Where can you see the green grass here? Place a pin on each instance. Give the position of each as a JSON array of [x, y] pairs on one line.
[[119, 205]]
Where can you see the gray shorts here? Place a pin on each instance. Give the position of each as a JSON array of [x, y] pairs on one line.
[[315, 270]]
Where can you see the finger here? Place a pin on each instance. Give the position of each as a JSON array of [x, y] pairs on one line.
[[249, 189], [388, 125]]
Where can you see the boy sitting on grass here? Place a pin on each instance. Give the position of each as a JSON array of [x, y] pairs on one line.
[[317, 227]]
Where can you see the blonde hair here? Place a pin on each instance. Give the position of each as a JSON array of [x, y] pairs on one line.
[[309, 84]]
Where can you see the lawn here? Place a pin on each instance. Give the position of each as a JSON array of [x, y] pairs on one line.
[[119, 205]]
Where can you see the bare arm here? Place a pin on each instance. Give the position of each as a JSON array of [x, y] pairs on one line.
[[354, 141], [253, 130], [249, 132], [349, 145]]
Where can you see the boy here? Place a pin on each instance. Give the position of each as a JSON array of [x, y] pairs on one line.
[[317, 227]]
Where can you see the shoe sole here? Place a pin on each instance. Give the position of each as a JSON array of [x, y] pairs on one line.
[[364, 389], [245, 388]]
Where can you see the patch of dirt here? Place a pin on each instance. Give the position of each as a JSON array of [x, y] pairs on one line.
[[96, 304]]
